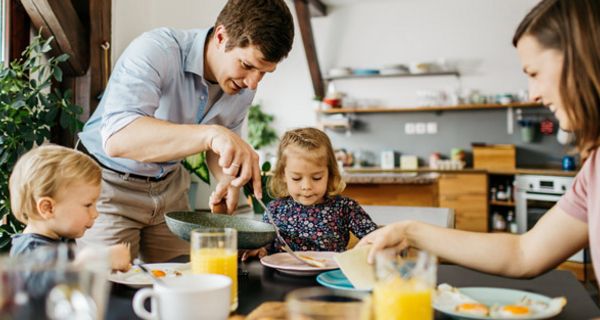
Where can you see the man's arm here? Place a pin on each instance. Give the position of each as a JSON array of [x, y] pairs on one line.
[[148, 139]]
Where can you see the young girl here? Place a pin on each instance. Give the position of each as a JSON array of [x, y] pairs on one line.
[[309, 210], [559, 48]]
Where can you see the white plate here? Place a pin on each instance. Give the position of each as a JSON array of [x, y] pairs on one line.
[[136, 278], [499, 296], [285, 263]]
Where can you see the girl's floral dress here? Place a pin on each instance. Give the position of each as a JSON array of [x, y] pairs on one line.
[[324, 226]]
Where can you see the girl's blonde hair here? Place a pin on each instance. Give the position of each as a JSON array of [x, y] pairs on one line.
[[312, 141], [573, 28], [42, 172]]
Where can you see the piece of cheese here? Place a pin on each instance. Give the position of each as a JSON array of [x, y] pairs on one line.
[[355, 267]]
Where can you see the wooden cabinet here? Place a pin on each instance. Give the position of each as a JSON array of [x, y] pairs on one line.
[[414, 195], [466, 193]]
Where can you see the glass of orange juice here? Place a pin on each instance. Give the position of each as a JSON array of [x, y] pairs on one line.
[[214, 250], [404, 286]]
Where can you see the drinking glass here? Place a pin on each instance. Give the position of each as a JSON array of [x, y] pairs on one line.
[[53, 283], [320, 303], [404, 285], [214, 250]]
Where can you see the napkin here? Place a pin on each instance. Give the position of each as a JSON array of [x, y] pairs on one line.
[[355, 267]]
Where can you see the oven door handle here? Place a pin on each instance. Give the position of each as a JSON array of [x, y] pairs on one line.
[[542, 197]]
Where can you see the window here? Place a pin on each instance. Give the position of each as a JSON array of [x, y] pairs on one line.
[[3, 31]]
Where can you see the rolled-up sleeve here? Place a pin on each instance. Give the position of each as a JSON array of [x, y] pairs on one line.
[[135, 85]]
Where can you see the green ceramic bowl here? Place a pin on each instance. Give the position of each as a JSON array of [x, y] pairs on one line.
[[252, 234]]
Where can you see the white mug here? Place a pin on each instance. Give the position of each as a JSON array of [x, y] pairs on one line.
[[186, 297]]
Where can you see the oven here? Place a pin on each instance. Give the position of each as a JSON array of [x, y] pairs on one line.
[[534, 196]]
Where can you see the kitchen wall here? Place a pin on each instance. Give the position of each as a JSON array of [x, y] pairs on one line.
[[474, 35]]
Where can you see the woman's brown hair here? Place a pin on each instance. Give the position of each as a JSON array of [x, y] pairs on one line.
[[573, 28], [312, 141]]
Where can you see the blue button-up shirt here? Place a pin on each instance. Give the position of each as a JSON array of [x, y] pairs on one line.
[[160, 75]]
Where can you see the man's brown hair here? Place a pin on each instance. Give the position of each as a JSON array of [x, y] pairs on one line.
[[266, 24], [573, 28]]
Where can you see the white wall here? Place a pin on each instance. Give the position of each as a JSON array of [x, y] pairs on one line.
[[475, 34]]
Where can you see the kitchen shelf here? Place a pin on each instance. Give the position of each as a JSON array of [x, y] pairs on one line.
[[502, 203], [399, 75], [435, 108]]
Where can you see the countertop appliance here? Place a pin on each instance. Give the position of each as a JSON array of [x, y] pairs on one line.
[[534, 196]]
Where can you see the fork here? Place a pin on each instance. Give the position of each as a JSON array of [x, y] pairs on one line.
[[284, 244]]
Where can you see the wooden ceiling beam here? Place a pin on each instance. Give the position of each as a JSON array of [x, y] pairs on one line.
[[317, 8], [303, 16], [59, 18]]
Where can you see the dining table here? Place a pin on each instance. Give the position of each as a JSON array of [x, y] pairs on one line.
[[258, 284]]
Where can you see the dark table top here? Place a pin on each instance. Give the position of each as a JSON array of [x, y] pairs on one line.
[[260, 284]]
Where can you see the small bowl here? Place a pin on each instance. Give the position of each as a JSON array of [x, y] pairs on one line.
[[252, 234]]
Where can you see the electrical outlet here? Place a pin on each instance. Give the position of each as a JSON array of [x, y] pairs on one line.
[[420, 128], [409, 128], [432, 127]]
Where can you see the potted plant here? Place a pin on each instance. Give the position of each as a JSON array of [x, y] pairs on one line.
[[260, 135], [29, 108]]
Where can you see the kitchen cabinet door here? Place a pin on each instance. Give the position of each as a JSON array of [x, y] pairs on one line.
[[467, 195]]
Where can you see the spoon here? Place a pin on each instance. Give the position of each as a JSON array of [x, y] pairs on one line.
[[285, 246], [149, 273]]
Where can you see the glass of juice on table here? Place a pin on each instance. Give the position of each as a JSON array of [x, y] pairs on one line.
[[214, 250], [404, 285]]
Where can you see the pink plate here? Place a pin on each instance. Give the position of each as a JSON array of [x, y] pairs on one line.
[[285, 263]]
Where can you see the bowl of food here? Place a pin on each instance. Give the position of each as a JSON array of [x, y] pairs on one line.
[[252, 233]]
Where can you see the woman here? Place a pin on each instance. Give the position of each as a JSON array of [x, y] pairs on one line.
[[558, 43]]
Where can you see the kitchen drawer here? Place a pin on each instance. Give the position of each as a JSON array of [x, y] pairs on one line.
[[470, 211], [414, 195], [456, 183]]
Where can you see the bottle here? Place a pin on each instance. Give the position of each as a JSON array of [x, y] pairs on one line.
[[501, 194], [493, 193], [512, 223], [498, 222]]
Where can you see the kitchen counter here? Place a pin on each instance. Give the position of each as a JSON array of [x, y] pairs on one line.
[[547, 171], [390, 177]]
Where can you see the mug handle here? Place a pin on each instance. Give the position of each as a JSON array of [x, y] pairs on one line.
[[138, 304]]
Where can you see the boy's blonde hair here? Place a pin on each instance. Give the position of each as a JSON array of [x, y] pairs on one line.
[[312, 141], [42, 172]]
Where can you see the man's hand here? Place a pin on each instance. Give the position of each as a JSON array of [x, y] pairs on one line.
[[237, 158], [225, 197], [260, 252]]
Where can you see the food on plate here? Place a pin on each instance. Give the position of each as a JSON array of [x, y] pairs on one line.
[[321, 263], [451, 299], [472, 308], [158, 273], [355, 267]]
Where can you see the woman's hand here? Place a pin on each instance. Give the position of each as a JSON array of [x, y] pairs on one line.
[[390, 236], [260, 252]]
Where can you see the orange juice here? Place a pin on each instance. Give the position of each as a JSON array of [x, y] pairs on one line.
[[219, 261], [399, 299]]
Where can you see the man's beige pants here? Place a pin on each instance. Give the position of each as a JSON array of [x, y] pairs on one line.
[[132, 210]]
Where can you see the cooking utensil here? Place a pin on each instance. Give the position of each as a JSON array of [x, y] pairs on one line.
[[252, 234], [284, 245]]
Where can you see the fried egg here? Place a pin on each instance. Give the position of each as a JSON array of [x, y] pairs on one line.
[[478, 309], [452, 300]]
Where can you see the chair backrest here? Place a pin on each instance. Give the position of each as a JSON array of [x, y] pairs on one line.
[[383, 215]]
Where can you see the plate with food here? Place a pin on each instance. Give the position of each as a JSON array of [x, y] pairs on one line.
[[285, 263], [137, 278], [495, 303]]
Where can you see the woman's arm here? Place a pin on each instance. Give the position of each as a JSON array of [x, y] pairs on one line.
[[553, 239]]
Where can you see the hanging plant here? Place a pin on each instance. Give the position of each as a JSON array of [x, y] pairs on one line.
[[29, 108]]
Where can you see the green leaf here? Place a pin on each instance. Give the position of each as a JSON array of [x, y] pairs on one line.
[[57, 72], [197, 164], [266, 167]]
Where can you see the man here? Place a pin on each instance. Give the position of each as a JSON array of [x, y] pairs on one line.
[[175, 93]]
